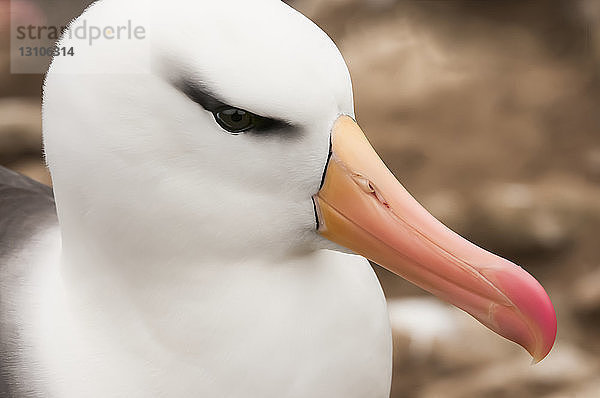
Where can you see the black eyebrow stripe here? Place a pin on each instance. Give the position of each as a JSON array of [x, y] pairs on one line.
[[200, 95]]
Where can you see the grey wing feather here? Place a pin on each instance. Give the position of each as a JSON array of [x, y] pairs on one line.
[[26, 208]]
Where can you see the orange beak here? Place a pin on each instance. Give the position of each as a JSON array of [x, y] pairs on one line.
[[362, 207]]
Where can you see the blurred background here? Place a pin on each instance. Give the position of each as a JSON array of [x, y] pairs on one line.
[[488, 112]]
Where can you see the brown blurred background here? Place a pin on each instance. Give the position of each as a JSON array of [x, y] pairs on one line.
[[488, 112]]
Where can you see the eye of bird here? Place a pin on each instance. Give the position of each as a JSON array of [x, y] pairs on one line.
[[238, 121], [235, 120]]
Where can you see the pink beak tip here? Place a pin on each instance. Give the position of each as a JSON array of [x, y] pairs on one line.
[[536, 310]]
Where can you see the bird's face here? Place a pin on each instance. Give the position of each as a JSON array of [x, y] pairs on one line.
[[223, 132], [241, 140]]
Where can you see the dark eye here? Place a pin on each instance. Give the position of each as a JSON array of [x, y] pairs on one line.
[[235, 120]]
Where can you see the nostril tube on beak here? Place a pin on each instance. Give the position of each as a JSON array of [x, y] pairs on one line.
[[363, 183], [368, 187]]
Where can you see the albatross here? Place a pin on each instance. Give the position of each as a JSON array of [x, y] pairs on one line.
[[213, 210]]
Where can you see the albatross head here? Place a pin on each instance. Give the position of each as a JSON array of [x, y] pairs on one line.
[[229, 132], [216, 142]]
